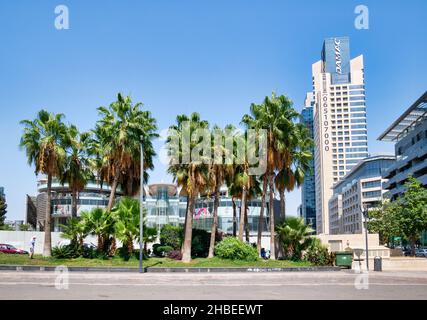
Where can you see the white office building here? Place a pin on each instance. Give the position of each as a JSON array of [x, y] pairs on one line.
[[361, 189]]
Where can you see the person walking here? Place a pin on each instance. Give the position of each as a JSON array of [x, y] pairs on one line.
[[32, 247]]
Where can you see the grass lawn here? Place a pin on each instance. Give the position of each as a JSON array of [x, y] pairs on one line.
[[11, 259]]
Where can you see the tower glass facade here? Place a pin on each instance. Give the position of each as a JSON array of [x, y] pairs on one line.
[[340, 128], [308, 195]]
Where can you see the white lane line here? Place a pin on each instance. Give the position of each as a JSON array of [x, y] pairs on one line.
[[208, 284]]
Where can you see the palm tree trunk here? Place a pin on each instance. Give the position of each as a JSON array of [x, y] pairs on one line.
[[234, 217], [247, 232], [188, 232], [185, 223], [271, 212], [130, 247], [242, 214], [261, 214], [282, 204], [74, 204], [100, 243], [214, 224], [113, 191], [47, 248]]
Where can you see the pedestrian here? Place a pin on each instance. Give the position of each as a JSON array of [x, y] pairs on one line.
[[32, 246], [263, 253]]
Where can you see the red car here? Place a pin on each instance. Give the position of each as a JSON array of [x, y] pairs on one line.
[[7, 248]]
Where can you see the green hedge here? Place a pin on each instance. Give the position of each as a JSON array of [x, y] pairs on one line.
[[234, 249]]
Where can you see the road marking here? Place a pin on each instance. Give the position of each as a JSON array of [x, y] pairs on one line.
[[207, 284]]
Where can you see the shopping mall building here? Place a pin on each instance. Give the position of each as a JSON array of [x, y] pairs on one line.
[[164, 204]]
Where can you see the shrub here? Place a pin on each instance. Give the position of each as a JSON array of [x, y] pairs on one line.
[[89, 253], [234, 249], [176, 255], [318, 254], [171, 236], [67, 251], [160, 250], [200, 243]]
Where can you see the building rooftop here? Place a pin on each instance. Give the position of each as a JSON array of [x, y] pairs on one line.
[[171, 188], [408, 119], [343, 180]]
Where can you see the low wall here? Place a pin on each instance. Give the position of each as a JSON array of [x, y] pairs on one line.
[[339, 242], [21, 239]]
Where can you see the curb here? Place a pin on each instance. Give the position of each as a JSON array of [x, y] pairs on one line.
[[168, 270]]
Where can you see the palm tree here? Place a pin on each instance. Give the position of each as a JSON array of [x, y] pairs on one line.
[[99, 223], [117, 145], [275, 115], [126, 215], [149, 236], [43, 140], [190, 175], [295, 236], [235, 193], [218, 171], [78, 166], [264, 179], [76, 231], [292, 172]]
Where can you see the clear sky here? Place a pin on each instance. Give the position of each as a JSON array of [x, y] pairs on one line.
[[214, 57]]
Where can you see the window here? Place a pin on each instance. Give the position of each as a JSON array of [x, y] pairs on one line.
[[371, 184], [359, 126], [354, 132], [358, 120], [357, 155], [356, 144], [357, 109], [356, 150], [372, 194], [355, 104]]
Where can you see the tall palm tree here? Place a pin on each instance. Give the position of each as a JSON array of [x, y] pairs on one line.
[[235, 194], [218, 171], [276, 115], [191, 175], [292, 171], [43, 140], [117, 145], [78, 166], [264, 179]]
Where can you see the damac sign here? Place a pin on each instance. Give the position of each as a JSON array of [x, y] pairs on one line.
[[338, 61]]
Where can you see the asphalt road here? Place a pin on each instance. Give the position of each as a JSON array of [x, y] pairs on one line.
[[213, 286]]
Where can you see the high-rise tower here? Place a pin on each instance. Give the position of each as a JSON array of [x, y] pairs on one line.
[[340, 129]]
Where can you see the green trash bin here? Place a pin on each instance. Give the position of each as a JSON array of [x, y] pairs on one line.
[[344, 259]]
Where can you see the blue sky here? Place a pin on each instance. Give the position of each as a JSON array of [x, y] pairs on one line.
[[214, 57]]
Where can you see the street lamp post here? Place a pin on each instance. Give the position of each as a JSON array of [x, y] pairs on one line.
[[365, 216], [141, 209]]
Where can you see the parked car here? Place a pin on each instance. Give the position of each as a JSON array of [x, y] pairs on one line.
[[406, 252], [89, 245], [421, 253], [7, 248]]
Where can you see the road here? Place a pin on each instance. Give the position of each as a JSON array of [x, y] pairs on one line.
[[214, 286]]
